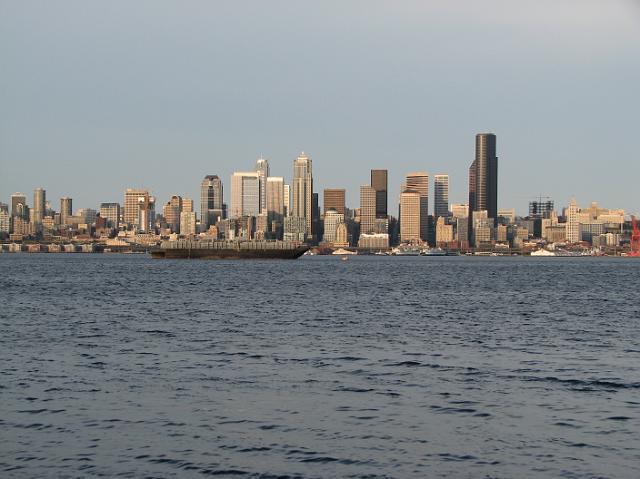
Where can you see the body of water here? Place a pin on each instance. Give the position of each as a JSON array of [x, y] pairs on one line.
[[123, 366]]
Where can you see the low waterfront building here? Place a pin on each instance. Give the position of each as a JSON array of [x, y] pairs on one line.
[[373, 241]]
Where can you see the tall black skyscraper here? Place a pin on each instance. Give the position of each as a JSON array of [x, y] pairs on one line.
[[379, 183], [483, 177]]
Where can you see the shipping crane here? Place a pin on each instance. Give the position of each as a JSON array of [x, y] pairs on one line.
[[635, 237]]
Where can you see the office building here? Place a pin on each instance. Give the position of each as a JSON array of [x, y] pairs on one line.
[[444, 232], [19, 208], [410, 210], [111, 213], [302, 201], [419, 182], [262, 168], [460, 210], [507, 215], [245, 194], [441, 195], [66, 209], [482, 226], [171, 212], [573, 226], [39, 204], [379, 182], [211, 201], [187, 205], [139, 209], [332, 219], [275, 203], [373, 241], [367, 209], [287, 200], [187, 223], [483, 177], [334, 199], [295, 228], [5, 222]]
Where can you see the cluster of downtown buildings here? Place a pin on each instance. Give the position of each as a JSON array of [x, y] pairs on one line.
[[266, 207]]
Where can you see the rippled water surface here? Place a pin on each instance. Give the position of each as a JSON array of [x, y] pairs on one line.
[[373, 367]]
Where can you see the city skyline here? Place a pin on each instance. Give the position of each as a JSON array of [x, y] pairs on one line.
[[214, 97]]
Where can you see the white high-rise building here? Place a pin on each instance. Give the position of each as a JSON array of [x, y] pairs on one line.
[[302, 201], [441, 195], [287, 200], [187, 223], [331, 221], [245, 194], [262, 167], [573, 226]]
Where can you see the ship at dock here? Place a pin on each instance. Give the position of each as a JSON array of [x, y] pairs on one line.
[[216, 249]]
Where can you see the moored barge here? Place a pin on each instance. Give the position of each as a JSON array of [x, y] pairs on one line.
[[217, 249]]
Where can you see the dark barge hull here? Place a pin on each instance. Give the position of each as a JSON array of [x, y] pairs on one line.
[[204, 253]]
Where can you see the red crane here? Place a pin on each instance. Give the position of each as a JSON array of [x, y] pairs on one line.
[[635, 237]]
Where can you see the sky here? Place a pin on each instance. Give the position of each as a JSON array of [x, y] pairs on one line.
[[96, 96]]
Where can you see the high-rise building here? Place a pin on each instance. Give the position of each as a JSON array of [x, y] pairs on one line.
[[111, 213], [187, 205], [573, 226], [334, 199], [444, 232], [483, 177], [460, 210], [5, 220], [410, 210], [187, 223], [139, 209], [379, 183], [367, 209], [39, 205], [66, 209], [262, 167], [441, 195], [302, 201], [331, 221], [275, 202], [171, 212], [211, 201], [287, 200], [19, 208], [419, 182], [245, 194]]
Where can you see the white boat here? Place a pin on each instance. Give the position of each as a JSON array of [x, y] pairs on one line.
[[434, 252], [407, 250], [342, 251], [542, 252]]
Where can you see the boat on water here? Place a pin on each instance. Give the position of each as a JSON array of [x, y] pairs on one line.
[[216, 249], [434, 252], [542, 252], [407, 250]]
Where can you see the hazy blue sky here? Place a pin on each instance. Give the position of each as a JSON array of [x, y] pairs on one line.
[[99, 96]]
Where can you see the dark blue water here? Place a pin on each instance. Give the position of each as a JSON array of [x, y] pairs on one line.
[[123, 366]]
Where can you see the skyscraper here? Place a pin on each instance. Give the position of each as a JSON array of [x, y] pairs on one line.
[[19, 207], [419, 182], [111, 213], [573, 226], [211, 201], [131, 205], [275, 201], [66, 209], [171, 212], [262, 167], [410, 209], [367, 209], [441, 195], [302, 201], [39, 201], [287, 200], [379, 184], [245, 194], [334, 199], [483, 177]]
